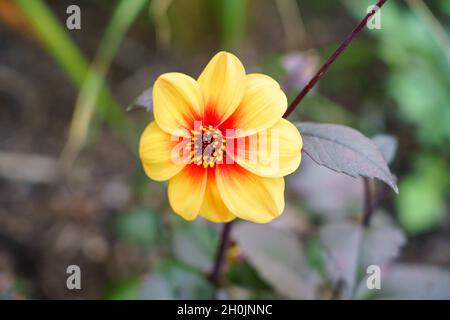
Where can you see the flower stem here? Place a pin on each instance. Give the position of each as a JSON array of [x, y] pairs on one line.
[[219, 262], [331, 59]]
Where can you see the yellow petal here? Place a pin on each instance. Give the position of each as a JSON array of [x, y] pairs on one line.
[[249, 196], [186, 191], [213, 208], [275, 152], [177, 102], [222, 83], [155, 151], [263, 104]]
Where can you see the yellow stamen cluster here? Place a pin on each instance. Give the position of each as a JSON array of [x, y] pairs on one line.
[[208, 146]]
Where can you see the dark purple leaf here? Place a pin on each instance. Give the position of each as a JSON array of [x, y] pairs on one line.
[[341, 241], [345, 150], [382, 242], [351, 248], [278, 257]]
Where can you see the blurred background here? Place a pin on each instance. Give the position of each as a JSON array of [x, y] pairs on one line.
[[72, 190]]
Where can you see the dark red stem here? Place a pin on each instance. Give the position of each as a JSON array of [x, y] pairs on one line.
[[331, 60], [219, 262], [369, 202], [373, 199]]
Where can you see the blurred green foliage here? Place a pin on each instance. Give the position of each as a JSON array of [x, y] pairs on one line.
[[232, 16], [418, 80], [421, 205], [194, 243], [123, 289], [142, 227], [59, 44], [174, 280], [244, 275], [124, 15]]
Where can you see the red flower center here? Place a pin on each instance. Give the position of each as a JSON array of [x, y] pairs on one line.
[[209, 146]]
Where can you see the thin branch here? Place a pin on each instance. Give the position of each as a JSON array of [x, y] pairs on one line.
[[332, 59], [373, 199]]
